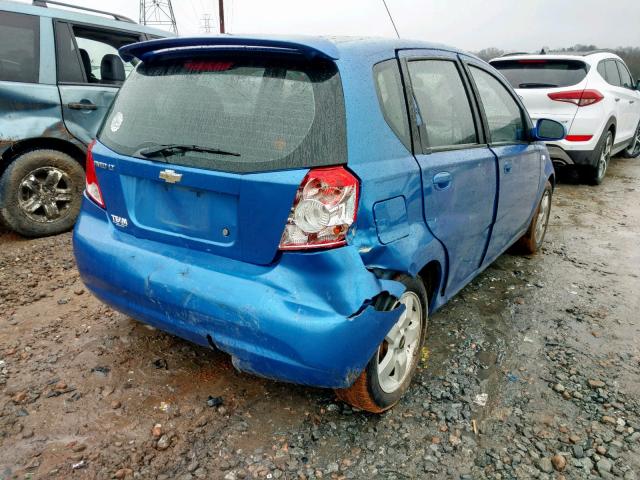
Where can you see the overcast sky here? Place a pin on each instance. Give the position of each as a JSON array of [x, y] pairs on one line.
[[468, 24]]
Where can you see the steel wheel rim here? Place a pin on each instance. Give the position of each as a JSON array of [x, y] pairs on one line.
[[396, 354], [543, 215], [604, 158], [45, 194]]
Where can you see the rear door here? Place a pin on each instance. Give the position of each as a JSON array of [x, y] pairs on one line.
[[457, 167], [610, 72], [629, 101], [90, 72], [519, 161]]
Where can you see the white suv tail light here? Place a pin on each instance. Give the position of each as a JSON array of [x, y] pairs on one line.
[[324, 208], [581, 98]]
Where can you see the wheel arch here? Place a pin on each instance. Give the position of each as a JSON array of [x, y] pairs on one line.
[[41, 143], [612, 124], [432, 277]]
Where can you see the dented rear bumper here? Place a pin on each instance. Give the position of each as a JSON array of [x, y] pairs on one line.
[[310, 318]]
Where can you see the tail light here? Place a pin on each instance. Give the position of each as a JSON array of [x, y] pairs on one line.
[[581, 98], [323, 210], [92, 185]]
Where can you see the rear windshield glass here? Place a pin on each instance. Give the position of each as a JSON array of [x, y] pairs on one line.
[[267, 114], [540, 73]]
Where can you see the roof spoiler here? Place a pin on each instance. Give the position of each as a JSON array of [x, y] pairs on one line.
[[308, 47]]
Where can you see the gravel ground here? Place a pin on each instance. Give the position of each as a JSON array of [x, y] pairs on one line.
[[532, 371]]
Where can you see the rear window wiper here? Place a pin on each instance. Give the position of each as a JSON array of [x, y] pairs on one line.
[[537, 85], [174, 148]]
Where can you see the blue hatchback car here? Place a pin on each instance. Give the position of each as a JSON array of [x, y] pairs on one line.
[[303, 204]]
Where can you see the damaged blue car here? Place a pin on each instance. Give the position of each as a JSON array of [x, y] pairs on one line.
[[304, 204]]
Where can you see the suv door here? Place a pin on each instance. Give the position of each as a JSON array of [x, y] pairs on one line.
[[519, 161], [458, 169], [629, 102], [609, 71], [90, 73]]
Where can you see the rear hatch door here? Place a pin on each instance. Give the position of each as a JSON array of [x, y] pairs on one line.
[[535, 78], [206, 148]]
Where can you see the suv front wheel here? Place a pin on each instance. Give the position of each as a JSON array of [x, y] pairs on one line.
[[41, 193], [633, 150]]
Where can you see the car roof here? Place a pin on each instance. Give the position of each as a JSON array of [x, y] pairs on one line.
[[333, 48], [589, 57], [78, 16]]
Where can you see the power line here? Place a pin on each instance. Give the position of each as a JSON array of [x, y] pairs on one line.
[[384, 2]]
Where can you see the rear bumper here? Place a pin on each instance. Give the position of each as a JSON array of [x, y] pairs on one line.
[[308, 319], [571, 157]]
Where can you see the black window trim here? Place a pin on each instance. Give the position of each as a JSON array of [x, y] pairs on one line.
[[621, 65], [604, 77], [37, 53], [526, 120], [59, 23], [422, 144], [412, 133]]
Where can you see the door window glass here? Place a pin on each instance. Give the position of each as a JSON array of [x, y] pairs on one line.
[[625, 76], [506, 123], [612, 76], [87, 55], [19, 47], [391, 97], [443, 103]]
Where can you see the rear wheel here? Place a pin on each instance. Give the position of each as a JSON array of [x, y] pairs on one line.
[[388, 374], [596, 174], [531, 241], [41, 193], [633, 150]]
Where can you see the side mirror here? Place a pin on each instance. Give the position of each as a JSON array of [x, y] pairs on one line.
[[547, 130]]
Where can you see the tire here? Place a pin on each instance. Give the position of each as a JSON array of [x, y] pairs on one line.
[[633, 150], [531, 241], [41, 193], [595, 174], [376, 393]]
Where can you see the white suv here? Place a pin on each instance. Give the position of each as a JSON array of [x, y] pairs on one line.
[[592, 94]]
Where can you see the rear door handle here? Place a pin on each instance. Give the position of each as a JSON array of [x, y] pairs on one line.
[[632, 101], [442, 180], [507, 167], [82, 106], [617, 99]]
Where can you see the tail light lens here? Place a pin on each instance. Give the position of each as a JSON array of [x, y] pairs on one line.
[[581, 98], [92, 185], [324, 208]]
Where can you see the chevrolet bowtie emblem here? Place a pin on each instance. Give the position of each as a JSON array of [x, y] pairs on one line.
[[170, 176]]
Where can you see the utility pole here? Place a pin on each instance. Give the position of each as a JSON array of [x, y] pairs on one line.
[[221, 15], [158, 13]]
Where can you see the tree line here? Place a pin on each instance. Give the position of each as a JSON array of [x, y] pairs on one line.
[[630, 55]]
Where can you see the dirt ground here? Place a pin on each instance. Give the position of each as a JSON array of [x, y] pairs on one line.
[[532, 371]]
